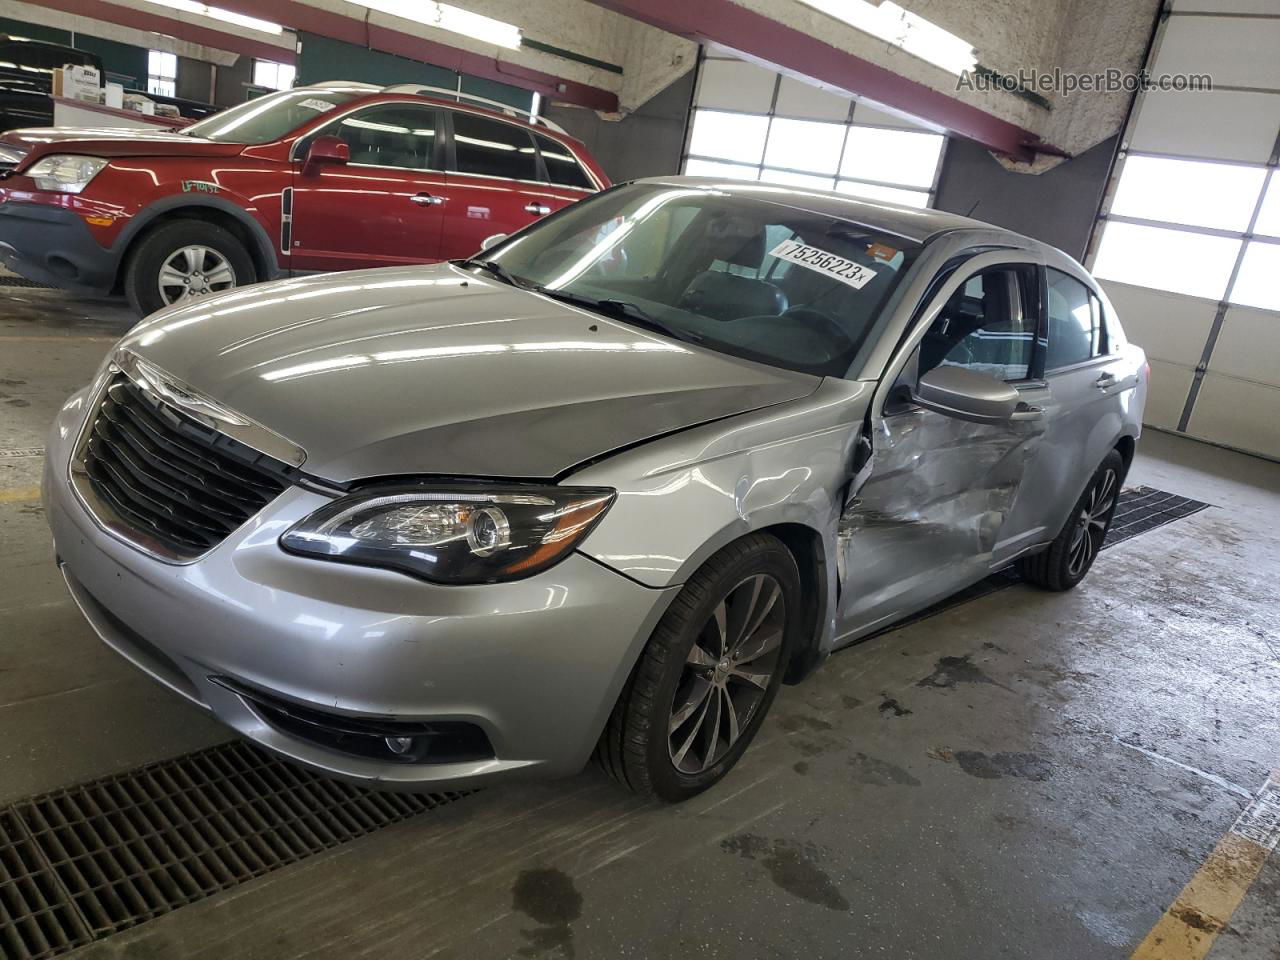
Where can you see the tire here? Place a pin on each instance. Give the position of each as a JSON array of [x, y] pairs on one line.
[[755, 578], [226, 264], [1066, 561]]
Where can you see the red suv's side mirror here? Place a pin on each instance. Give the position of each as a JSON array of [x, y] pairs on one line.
[[328, 150]]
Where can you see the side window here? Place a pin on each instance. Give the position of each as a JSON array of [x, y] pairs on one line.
[[493, 148], [1075, 322], [393, 135], [988, 325], [562, 166]]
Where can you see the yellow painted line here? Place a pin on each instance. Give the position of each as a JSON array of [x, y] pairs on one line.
[[1188, 929], [19, 495]]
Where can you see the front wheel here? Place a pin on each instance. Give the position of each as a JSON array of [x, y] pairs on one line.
[[1069, 557], [183, 260], [708, 674]]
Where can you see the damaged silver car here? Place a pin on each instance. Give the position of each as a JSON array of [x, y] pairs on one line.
[[601, 489]]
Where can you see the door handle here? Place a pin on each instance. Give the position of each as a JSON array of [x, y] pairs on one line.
[[1027, 411], [537, 209], [1105, 381], [427, 200]]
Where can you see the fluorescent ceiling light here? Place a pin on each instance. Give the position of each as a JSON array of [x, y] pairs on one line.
[[914, 34], [217, 13], [451, 18]]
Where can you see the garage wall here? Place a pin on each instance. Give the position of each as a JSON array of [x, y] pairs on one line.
[[321, 58], [1057, 206], [755, 124], [644, 143], [1188, 245]]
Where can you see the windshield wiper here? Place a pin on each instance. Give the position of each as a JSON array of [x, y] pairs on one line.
[[623, 310], [493, 268]]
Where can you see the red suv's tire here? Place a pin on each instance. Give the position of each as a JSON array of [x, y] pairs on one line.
[[182, 260]]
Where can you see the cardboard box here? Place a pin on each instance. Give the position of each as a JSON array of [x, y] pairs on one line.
[[77, 82]]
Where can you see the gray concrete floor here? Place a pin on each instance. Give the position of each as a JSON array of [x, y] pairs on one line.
[[1028, 775]]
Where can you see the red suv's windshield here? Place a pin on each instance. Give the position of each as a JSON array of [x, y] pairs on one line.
[[271, 117]]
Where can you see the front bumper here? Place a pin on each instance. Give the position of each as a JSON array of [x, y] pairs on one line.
[[536, 665], [53, 245]]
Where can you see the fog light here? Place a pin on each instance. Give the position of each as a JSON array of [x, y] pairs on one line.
[[399, 745]]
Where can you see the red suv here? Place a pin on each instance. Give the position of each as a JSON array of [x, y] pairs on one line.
[[328, 177]]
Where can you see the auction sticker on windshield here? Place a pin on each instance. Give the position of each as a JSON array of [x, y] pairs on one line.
[[838, 268]]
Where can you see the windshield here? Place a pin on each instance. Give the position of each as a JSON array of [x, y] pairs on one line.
[[738, 274], [271, 117]]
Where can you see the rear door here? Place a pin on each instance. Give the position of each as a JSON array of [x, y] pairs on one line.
[[1086, 379], [937, 506], [384, 207], [495, 184]]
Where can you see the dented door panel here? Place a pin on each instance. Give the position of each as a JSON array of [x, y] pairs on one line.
[[930, 516]]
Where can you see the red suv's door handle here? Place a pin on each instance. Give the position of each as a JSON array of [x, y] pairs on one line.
[[427, 200], [537, 209]]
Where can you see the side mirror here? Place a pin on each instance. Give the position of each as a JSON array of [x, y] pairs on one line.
[[492, 240], [966, 395], [324, 150]]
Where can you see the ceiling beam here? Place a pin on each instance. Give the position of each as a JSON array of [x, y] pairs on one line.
[[761, 38]]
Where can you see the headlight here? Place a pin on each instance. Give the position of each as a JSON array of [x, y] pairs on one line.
[[65, 173], [451, 534]]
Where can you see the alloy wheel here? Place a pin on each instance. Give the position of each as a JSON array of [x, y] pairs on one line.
[[1091, 524], [726, 674], [194, 271]]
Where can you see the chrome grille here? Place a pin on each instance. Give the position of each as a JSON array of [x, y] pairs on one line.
[[171, 478]]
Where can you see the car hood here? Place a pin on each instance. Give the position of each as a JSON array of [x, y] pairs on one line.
[[119, 142], [433, 370]]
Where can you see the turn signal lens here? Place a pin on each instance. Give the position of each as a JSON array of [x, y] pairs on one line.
[[453, 534]]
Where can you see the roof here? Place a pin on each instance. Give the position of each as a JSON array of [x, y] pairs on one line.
[[912, 223]]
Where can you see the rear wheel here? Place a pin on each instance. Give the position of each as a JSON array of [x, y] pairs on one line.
[[183, 260], [708, 675], [1069, 557]]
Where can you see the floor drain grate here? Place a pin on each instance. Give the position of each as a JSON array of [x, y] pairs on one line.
[[8, 280], [82, 863], [1144, 508], [1139, 510]]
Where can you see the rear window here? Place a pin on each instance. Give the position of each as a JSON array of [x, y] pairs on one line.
[[492, 148], [1075, 326], [562, 166]]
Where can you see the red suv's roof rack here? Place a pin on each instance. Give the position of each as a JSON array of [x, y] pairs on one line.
[[459, 96]]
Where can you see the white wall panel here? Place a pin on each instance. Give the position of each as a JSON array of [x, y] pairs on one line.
[[864, 113], [1234, 51], [1166, 394], [735, 85], [1239, 413], [1248, 346], [1169, 327], [1225, 124], [797, 99]]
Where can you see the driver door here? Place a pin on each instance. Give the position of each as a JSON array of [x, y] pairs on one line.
[[383, 207], [932, 516]]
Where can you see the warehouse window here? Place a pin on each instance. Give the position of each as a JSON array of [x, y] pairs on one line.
[[751, 124], [272, 75], [162, 73], [1181, 225]]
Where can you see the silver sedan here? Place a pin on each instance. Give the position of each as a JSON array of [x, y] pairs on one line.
[[601, 489]]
